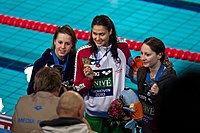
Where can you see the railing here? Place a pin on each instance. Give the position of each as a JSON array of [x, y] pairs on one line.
[[5, 122]]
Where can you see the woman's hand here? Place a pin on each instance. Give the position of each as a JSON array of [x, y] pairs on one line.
[[154, 89], [88, 73]]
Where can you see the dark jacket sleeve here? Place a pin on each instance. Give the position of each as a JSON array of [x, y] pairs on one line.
[[69, 73], [46, 58], [36, 67]]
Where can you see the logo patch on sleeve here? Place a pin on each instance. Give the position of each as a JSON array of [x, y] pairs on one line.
[[38, 107]]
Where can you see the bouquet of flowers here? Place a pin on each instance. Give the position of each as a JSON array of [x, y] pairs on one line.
[[136, 63], [126, 110], [167, 62], [117, 114]]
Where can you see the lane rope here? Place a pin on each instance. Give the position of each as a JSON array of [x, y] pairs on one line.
[[85, 35]]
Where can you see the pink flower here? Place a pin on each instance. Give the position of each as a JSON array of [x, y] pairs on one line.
[[116, 111]]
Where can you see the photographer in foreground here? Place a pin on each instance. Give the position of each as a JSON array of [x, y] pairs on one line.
[[70, 119], [31, 109]]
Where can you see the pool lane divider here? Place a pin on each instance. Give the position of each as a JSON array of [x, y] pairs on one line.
[[85, 35]]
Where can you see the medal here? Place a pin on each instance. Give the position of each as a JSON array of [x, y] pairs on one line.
[[98, 65], [86, 61]]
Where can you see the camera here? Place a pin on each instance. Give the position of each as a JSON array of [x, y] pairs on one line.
[[59, 67], [66, 85]]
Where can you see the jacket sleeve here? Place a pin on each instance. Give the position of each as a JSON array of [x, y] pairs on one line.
[[124, 47], [129, 59], [36, 67], [15, 123], [81, 83]]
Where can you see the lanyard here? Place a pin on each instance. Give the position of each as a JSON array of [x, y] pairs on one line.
[[157, 74], [56, 61], [97, 61]]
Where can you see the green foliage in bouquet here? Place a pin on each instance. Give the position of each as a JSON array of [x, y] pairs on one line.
[[116, 113]]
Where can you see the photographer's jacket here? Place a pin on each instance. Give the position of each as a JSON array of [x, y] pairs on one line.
[[31, 109], [47, 59], [64, 125]]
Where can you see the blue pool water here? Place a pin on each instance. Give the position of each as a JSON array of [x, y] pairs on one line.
[[175, 22]]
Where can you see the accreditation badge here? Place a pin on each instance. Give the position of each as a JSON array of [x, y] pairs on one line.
[[103, 83]]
